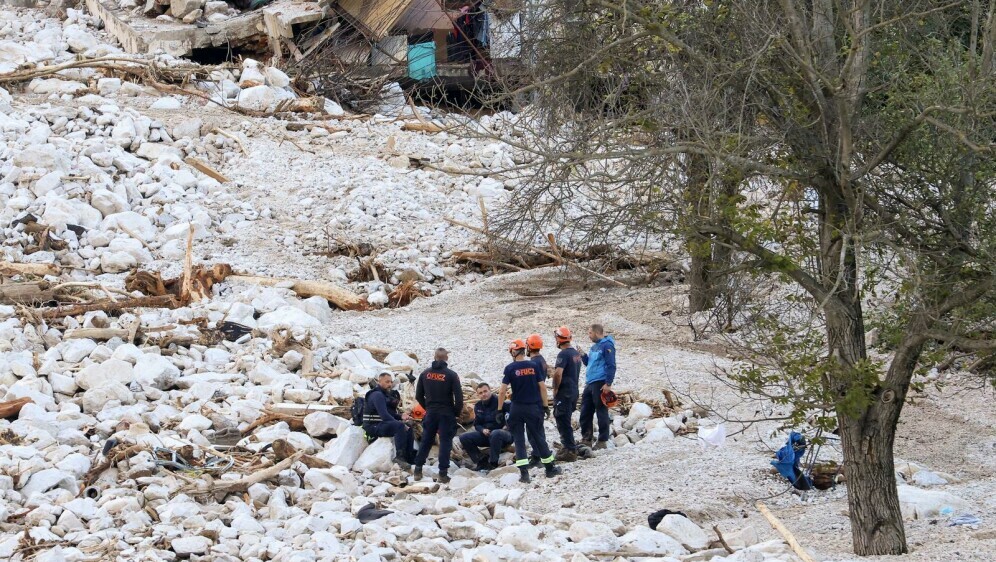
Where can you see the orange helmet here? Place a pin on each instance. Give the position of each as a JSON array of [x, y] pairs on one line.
[[609, 398], [516, 345], [562, 334], [534, 342], [418, 412]]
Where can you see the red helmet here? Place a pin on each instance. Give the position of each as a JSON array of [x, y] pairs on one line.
[[609, 398], [516, 345], [418, 412], [562, 334], [534, 342]]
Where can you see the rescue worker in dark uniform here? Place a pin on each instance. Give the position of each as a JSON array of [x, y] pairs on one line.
[[566, 371], [528, 401], [438, 391], [382, 419], [534, 347], [489, 430]]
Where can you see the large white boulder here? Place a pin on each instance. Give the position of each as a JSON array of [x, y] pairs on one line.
[[581, 530], [335, 478], [684, 531], [132, 224], [181, 8], [60, 212], [360, 363], [95, 399], [74, 351], [339, 389], [78, 39], [323, 424], [188, 129], [124, 132], [108, 202], [258, 98], [401, 359], [48, 479], [276, 77], [645, 539], [188, 544], [917, 503], [117, 262], [378, 457], [156, 371], [345, 449], [109, 372], [290, 316], [524, 537], [637, 413]]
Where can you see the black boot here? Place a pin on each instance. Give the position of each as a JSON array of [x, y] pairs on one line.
[[552, 471], [444, 478], [524, 474], [418, 473], [403, 463], [534, 461]]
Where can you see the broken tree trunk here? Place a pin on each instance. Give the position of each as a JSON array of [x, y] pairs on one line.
[[241, 485], [12, 408], [26, 293], [40, 269], [165, 301], [335, 294]]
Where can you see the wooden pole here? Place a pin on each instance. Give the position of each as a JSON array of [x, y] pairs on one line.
[[784, 532]]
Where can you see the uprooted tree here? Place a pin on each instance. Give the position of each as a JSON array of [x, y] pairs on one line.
[[840, 151]]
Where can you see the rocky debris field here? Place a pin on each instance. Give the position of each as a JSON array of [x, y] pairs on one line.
[[217, 429]]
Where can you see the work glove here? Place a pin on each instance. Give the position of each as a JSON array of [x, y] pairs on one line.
[[546, 412]]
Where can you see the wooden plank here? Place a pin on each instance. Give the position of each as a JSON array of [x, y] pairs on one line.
[[203, 168], [784, 532]]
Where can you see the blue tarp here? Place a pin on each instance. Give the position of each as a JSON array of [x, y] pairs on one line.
[[422, 61], [788, 461]]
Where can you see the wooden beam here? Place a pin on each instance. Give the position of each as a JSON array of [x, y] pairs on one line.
[[784, 532]]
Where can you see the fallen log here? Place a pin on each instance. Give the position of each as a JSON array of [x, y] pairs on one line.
[[236, 486], [165, 301], [335, 294], [294, 421], [422, 127], [26, 293], [39, 269], [100, 334], [12, 408], [550, 255], [784, 532]]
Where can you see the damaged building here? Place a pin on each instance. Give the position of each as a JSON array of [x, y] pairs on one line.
[[414, 42]]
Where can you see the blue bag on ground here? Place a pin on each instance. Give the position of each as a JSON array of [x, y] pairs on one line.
[[788, 461]]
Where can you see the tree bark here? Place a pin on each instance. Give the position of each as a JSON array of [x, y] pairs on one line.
[[700, 291]]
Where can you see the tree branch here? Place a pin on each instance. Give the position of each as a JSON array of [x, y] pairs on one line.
[[961, 342]]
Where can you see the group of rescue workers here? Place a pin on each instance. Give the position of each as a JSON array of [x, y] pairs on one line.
[[514, 416]]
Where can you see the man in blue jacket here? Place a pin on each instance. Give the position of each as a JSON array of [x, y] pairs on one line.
[[489, 430], [600, 372], [438, 391]]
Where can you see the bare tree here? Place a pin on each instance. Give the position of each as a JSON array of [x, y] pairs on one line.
[[844, 147]]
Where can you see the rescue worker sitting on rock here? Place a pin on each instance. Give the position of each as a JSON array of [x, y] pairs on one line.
[[382, 419], [489, 430]]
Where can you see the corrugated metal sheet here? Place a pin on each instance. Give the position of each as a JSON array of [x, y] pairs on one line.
[[375, 17], [424, 15]]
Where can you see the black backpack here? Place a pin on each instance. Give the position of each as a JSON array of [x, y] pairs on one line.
[[356, 410], [359, 407]]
